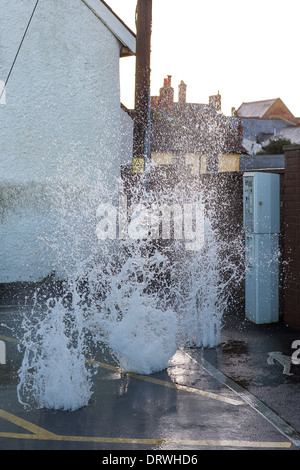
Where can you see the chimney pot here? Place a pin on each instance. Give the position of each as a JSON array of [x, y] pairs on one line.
[[167, 81]]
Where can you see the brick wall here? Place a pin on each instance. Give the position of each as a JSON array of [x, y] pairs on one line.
[[292, 236]]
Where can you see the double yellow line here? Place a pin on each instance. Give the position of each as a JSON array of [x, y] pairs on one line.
[[38, 433], [41, 434]]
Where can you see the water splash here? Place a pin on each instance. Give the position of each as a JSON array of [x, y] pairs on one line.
[[206, 286], [145, 338], [54, 372], [140, 298], [137, 323]]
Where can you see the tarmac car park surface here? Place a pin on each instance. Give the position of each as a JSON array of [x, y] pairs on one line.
[[235, 396]]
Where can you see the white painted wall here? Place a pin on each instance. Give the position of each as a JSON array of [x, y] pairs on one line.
[[60, 141], [126, 137]]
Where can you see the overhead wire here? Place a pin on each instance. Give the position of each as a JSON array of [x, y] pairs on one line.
[[19, 48]]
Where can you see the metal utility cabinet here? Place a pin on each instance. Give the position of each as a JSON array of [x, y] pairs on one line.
[[261, 206]]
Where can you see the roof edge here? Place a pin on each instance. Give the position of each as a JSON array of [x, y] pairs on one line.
[[259, 101], [117, 26]]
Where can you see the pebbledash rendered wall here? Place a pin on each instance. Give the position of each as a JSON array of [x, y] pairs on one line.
[[292, 236], [60, 149]]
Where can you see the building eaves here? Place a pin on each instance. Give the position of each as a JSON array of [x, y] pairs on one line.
[[117, 27], [261, 162]]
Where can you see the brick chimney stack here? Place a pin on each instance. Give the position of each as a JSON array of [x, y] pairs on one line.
[[215, 101], [166, 94], [182, 93]]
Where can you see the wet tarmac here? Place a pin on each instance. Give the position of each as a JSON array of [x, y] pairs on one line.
[[239, 395]]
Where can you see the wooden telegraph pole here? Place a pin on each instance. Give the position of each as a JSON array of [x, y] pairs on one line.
[[141, 128]]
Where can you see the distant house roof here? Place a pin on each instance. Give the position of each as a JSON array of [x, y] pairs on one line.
[[289, 133], [259, 130], [293, 134], [255, 109], [117, 27], [267, 109]]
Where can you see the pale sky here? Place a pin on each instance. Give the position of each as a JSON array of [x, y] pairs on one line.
[[248, 50]]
